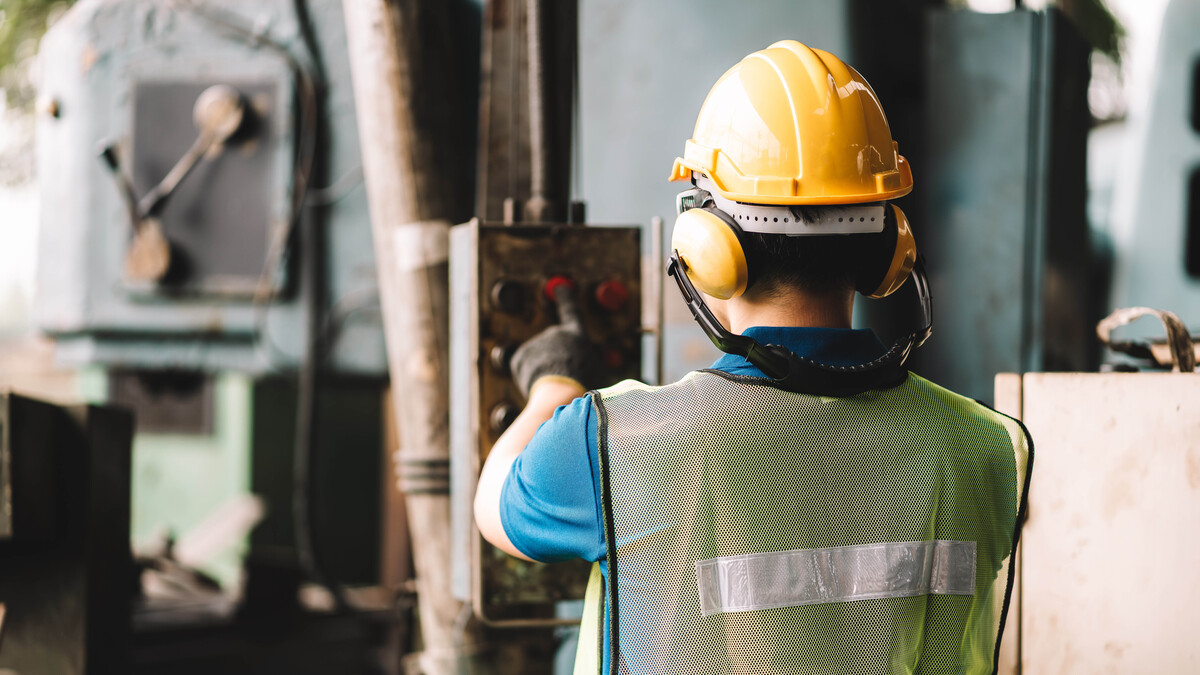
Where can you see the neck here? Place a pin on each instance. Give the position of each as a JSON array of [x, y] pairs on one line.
[[791, 308]]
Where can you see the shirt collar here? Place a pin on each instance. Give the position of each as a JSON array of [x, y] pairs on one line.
[[833, 346]]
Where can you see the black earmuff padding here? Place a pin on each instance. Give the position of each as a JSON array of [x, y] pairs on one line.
[[727, 219], [878, 249]]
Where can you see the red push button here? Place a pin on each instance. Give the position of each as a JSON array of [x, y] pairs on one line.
[[553, 283], [612, 295], [614, 359]]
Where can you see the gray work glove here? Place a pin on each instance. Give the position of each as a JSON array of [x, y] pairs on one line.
[[561, 350]]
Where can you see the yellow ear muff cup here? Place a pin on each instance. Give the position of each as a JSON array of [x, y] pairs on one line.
[[904, 256], [709, 247]]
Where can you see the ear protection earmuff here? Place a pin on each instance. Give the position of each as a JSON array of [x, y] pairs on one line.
[[708, 255], [709, 244], [888, 256]]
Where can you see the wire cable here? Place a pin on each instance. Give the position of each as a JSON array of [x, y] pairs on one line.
[[338, 190], [304, 509], [281, 245]]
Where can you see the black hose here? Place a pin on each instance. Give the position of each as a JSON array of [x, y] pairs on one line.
[[304, 501]]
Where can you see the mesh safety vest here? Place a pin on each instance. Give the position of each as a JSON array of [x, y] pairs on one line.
[[756, 531]]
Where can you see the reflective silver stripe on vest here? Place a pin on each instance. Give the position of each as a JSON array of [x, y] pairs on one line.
[[740, 583]]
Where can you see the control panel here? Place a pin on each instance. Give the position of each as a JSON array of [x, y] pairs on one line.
[[502, 284]]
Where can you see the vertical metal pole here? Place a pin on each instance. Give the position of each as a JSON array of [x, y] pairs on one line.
[[411, 245], [538, 208], [657, 271]]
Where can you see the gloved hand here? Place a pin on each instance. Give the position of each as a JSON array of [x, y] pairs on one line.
[[561, 350]]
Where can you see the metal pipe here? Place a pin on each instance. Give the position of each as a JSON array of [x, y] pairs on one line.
[[411, 248], [538, 208], [658, 267]]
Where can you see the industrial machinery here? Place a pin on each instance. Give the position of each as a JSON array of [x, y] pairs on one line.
[[528, 238], [1156, 209], [1106, 572], [206, 253], [206, 248], [185, 145], [1007, 237], [502, 278], [65, 567]]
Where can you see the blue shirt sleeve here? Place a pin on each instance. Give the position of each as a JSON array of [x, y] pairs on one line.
[[550, 502]]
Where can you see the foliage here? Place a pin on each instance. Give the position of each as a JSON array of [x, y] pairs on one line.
[[1095, 21], [22, 23]]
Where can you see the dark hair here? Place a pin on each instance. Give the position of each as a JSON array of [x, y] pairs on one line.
[[777, 262]]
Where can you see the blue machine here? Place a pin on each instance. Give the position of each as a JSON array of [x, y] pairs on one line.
[[1005, 188], [127, 79], [204, 228]]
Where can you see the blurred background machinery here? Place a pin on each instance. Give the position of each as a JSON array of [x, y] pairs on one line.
[[206, 255], [1105, 577], [1155, 228], [1005, 194], [126, 78]]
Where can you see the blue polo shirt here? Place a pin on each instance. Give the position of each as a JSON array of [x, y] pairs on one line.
[[550, 502]]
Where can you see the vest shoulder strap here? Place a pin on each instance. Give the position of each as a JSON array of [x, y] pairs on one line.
[[588, 656]]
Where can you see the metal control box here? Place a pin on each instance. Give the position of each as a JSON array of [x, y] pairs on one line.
[[498, 299]]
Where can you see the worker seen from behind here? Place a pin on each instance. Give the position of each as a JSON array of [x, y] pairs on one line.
[[805, 505]]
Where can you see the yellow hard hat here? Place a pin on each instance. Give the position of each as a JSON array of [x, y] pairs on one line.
[[794, 125]]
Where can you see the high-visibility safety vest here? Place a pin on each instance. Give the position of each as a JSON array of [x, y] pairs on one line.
[[752, 530]]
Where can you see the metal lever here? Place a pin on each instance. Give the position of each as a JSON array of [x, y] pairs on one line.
[[109, 155], [149, 255], [218, 114]]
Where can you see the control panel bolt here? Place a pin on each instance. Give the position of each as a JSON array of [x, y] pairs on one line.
[[501, 357], [502, 416], [508, 297], [612, 295]]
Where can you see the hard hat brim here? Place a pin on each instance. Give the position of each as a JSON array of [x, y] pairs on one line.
[[901, 179]]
